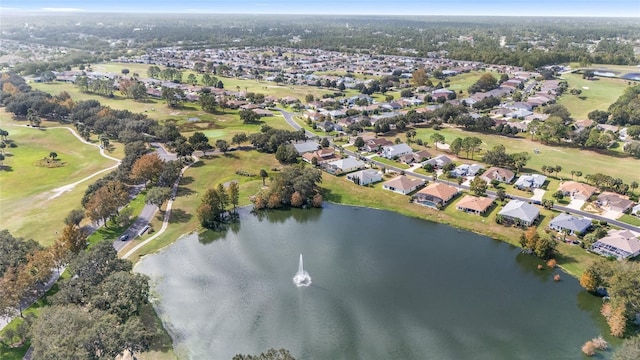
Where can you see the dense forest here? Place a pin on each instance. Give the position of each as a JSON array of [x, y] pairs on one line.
[[523, 41]]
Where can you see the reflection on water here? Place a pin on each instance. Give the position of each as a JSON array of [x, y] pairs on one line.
[[384, 286]]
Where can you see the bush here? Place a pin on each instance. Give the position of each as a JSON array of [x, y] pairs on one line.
[[589, 348]]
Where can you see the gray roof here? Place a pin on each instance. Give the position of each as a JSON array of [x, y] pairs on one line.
[[520, 210], [570, 222], [530, 180], [306, 147]]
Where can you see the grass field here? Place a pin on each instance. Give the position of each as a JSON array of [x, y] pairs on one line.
[[596, 94], [28, 209], [587, 161]]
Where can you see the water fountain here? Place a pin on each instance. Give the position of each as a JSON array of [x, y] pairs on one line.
[[302, 277]]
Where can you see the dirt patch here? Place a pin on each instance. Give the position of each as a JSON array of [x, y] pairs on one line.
[[50, 163]]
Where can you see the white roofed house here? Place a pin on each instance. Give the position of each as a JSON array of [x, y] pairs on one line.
[[518, 211], [345, 165], [365, 177], [621, 244], [574, 225], [530, 181], [394, 151]]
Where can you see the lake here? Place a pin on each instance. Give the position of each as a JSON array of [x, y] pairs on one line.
[[384, 286]]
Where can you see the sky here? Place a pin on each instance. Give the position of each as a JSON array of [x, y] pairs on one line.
[[589, 8]]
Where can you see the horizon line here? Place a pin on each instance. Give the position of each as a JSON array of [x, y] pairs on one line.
[[52, 11]]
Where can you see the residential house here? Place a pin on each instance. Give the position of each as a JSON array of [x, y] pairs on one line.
[[574, 225], [636, 210], [322, 156], [496, 173], [520, 211], [365, 177], [262, 112], [435, 195], [345, 165], [373, 145], [439, 161], [577, 190], [614, 202], [403, 184], [466, 170], [393, 151], [530, 181], [475, 205], [416, 157], [305, 147], [621, 244]]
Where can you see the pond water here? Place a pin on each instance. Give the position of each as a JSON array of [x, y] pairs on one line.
[[384, 286]]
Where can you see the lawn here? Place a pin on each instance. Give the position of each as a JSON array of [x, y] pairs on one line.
[[206, 174], [462, 82], [587, 161], [596, 94], [29, 210], [630, 219]]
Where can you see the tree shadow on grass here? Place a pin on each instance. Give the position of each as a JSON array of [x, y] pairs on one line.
[[197, 164], [6, 168], [328, 195], [230, 155], [184, 191], [186, 180], [179, 216]]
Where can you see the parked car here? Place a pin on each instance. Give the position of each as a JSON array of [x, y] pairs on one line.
[[124, 237]]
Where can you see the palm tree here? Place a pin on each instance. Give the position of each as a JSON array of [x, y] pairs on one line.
[[263, 175]]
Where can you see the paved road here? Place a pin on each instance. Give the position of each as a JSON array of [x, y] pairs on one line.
[[148, 211], [289, 119]]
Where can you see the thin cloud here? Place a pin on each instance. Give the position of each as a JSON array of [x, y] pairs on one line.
[[56, 9]]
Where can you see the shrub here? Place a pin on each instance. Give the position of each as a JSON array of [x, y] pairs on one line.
[[552, 263], [600, 343], [556, 277], [589, 348]]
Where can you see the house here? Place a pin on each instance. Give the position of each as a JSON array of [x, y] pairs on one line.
[[636, 210], [574, 225], [621, 244], [520, 212], [435, 195], [403, 184], [530, 181], [373, 145], [322, 156], [577, 190], [393, 151], [262, 112], [473, 204], [496, 173], [614, 202], [466, 170], [415, 157], [365, 177], [345, 165], [305, 147], [439, 161]]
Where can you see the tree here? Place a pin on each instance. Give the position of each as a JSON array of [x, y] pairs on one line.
[[419, 77], [147, 168], [358, 142], [222, 145], [74, 217], [200, 142], [104, 140], [53, 155], [233, 192], [436, 138], [263, 175], [74, 238], [239, 138], [208, 102], [470, 144], [485, 83], [248, 116], [478, 186], [33, 118], [271, 354], [192, 79], [158, 195], [105, 202]]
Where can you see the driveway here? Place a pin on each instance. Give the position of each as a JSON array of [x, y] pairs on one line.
[[576, 204], [537, 195]]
